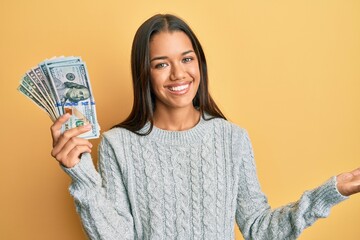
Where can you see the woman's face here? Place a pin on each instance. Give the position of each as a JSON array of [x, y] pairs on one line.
[[175, 74]]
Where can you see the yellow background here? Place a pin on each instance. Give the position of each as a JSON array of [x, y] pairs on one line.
[[287, 71]]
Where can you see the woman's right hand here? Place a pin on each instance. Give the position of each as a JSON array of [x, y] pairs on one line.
[[67, 146]]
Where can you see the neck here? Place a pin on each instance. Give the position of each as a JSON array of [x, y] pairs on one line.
[[176, 119]]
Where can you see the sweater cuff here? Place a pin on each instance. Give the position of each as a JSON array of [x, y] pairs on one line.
[[83, 174], [327, 196]]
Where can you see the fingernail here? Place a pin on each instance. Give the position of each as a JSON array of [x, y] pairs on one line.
[[87, 126]]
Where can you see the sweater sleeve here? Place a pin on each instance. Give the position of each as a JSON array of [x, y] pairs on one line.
[[101, 198], [254, 216]]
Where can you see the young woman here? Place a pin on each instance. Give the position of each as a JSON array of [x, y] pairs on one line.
[[176, 168]]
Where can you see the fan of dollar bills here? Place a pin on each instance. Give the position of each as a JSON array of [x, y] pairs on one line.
[[61, 85]]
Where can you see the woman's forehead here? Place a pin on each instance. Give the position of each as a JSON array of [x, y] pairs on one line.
[[175, 42]]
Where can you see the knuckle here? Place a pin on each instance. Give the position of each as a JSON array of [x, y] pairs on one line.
[[53, 153], [72, 140], [62, 158], [77, 148], [52, 128], [67, 135], [58, 157]]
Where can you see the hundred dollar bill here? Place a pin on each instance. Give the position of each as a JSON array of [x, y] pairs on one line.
[[42, 92], [55, 61], [73, 94], [35, 99], [45, 83], [34, 91], [61, 85]]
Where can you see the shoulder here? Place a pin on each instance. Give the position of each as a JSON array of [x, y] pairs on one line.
[[239, 133], [240, 141], [116, 136], [114, 144], [114, 132], [235, 131], [236, 135]]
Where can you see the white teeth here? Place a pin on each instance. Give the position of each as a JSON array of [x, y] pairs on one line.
[[179, 88]]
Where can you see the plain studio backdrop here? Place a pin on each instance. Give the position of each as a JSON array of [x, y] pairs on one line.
[[287, 71]]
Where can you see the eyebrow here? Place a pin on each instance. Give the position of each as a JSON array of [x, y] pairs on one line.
[[164, 57]]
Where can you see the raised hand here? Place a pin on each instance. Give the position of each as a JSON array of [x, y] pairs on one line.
[[349, 183], [68, 147]]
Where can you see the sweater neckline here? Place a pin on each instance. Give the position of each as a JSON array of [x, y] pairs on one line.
[[183, 137]]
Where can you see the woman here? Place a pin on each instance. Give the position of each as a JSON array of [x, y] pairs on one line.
[[176, 168]]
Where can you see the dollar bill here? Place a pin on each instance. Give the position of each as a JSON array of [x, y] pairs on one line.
[[61, 85], [33, 98], [40, 89], [35, 92], [44, 80], [73, 94]]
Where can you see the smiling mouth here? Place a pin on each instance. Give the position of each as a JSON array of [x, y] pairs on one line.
[[179, 88]]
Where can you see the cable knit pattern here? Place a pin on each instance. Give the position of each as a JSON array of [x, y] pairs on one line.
[[191, 184], [220, 180], [181, 193], [152, 173], [168, 190], [141, 196], [209, 187], [196, 196]]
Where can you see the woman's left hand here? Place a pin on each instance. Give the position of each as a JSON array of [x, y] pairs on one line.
[[349, 183]]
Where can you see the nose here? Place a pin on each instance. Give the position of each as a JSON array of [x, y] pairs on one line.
[[177, 72]]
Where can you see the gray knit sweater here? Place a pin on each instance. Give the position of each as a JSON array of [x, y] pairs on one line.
[[189, 184]]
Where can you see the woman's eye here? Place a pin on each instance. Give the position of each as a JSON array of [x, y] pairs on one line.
[[160, 65], [187, 59]]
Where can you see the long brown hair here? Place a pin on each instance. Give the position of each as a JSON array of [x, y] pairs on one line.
[[144, 99]]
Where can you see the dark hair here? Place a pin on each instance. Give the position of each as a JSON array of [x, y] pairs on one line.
[[144, 99]]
